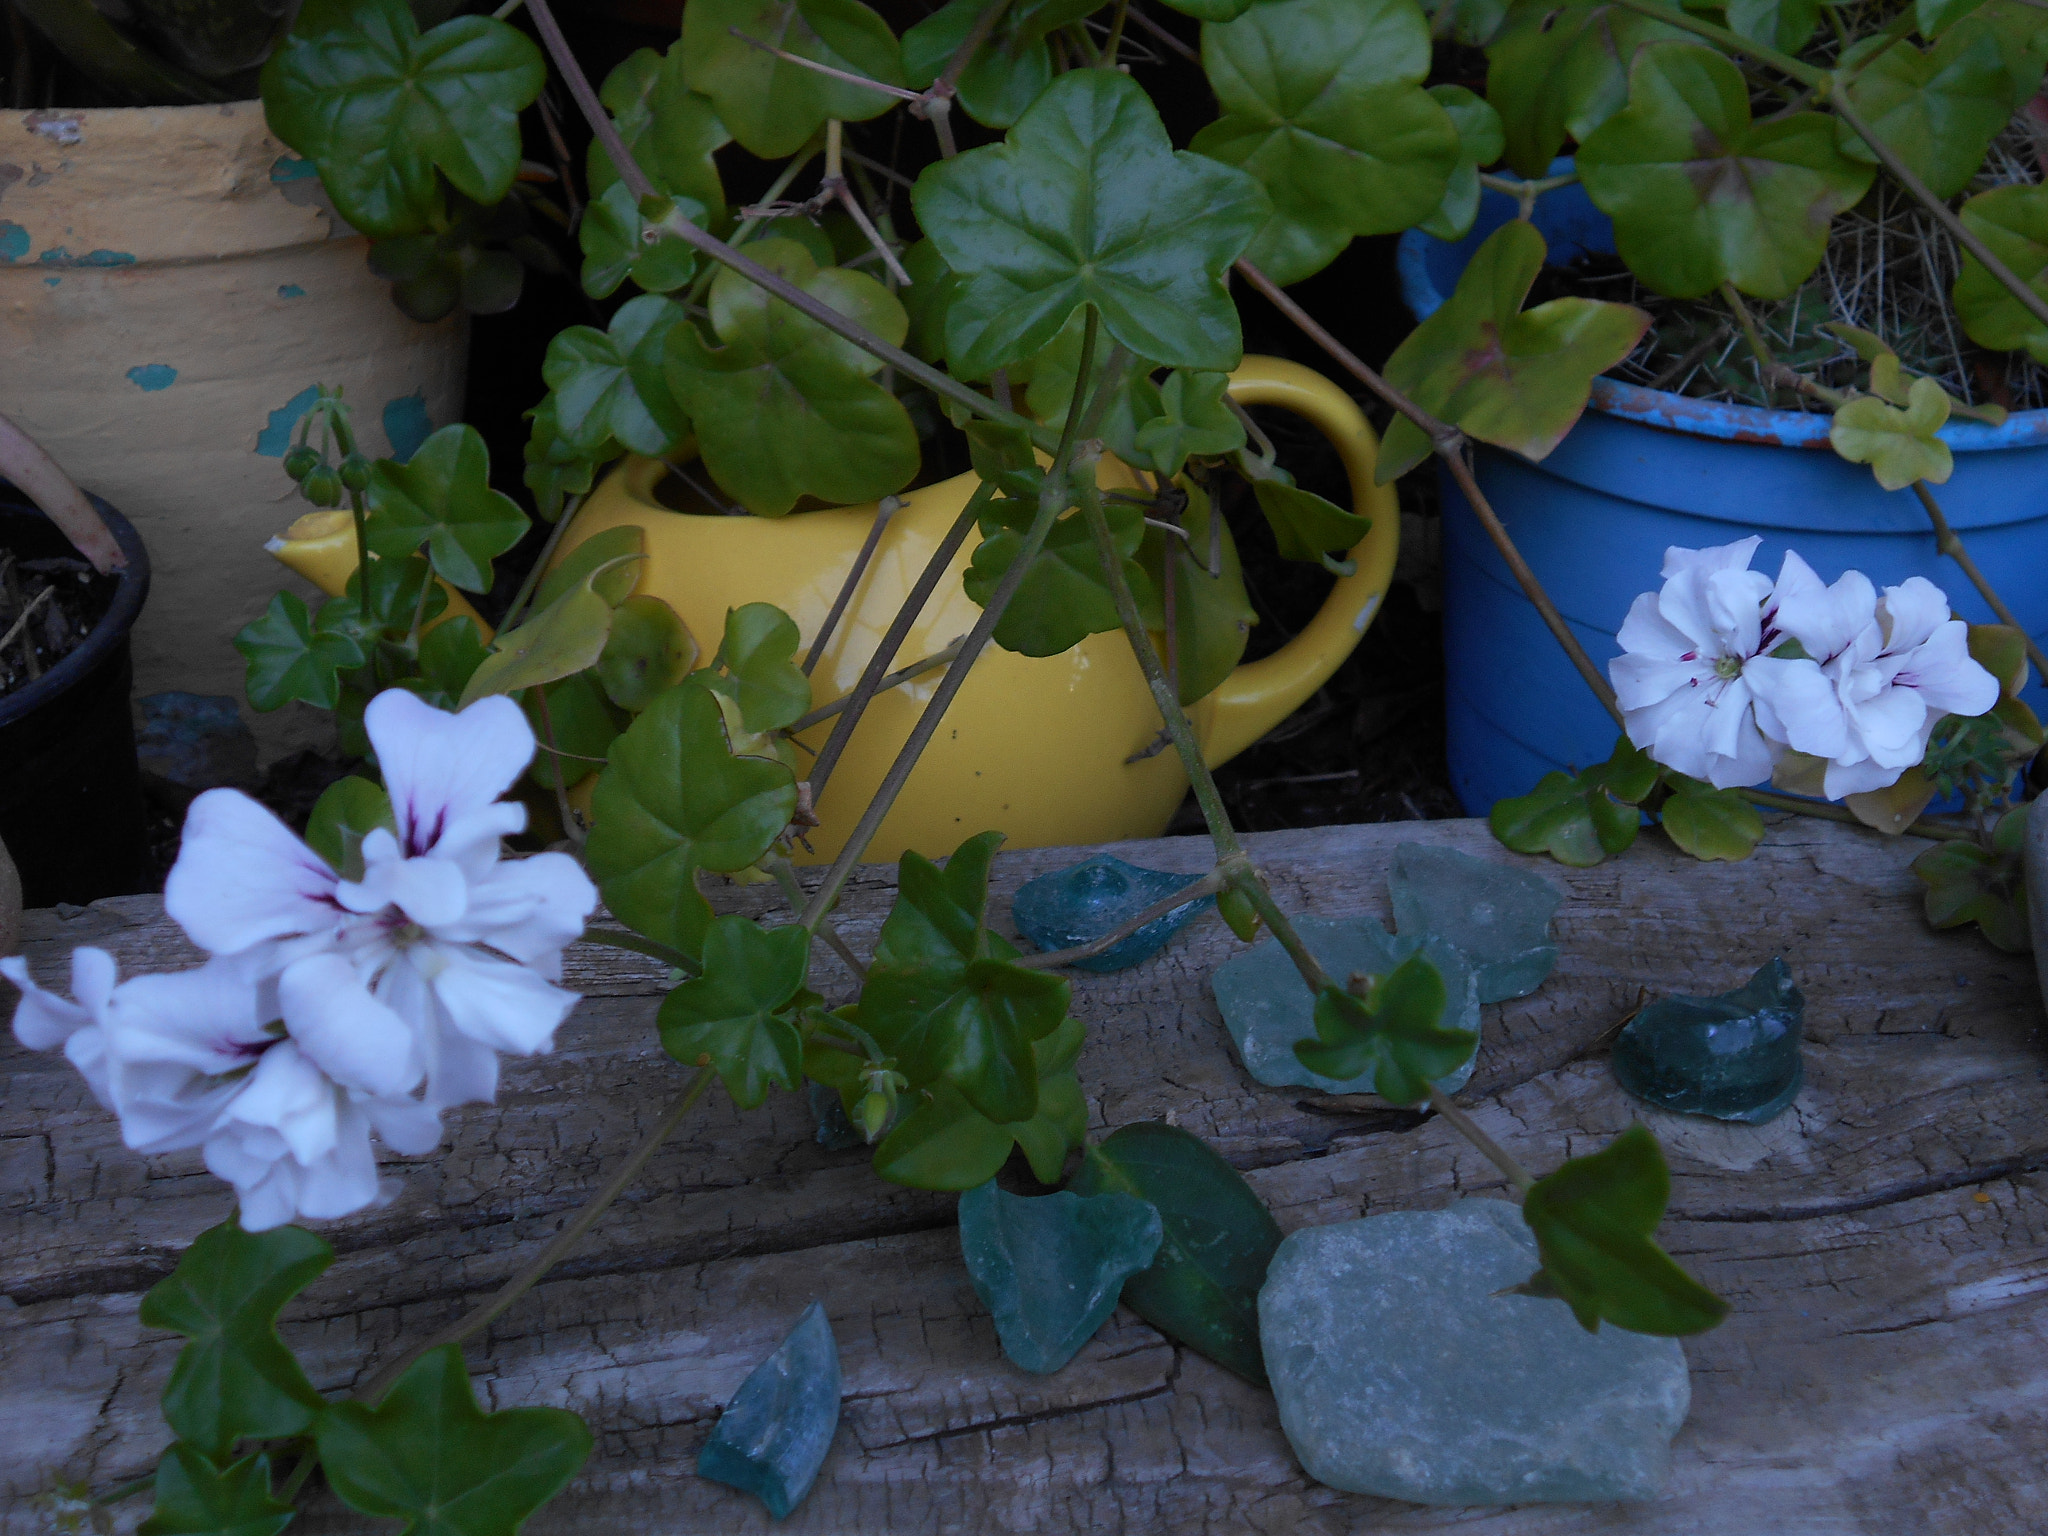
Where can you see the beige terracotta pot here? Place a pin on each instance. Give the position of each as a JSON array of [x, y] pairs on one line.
[[173, 284]]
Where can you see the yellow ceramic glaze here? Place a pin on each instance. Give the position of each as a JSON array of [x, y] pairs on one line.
[[321, 546], [1034, 747]]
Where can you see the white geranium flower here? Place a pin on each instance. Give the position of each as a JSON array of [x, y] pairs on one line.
[[1697, 686], [443, 954]]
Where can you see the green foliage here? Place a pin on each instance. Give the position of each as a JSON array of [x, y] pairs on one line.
[[442, 497], [622, 238], [783, 408], [1937, 109], [671, 131], [607, 387], [2013, 222], [942, 995], [574, 726], [1203, 1287], [563, 638], [945, 1143], [733, 1016], [234, 1379], [379, 107], [648, 651], [1700, 194], [1580, 819], [1213, 614], [772, 106], [1481, 141], [610, 562], [1557, 72], [674, 800], [761, 674], [1065, 595], [1900, 446], [1305, 526], [429, 1456], [290, 659], [1009, 70], [1323, 103], [1512, 377], [1087, 202], [1395, 1032], [475, 259], [1781, 24], [348, 811], [1986, 886], [1187, 414], [195, 1498], [1709, 823], [556, 468], [1594, 1220]]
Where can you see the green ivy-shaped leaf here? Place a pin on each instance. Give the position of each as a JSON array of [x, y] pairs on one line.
[[1900, 446], [348, 811], [1781, 24], [1709, 823], [611, 562], [1481, 141], [1516, 378], [784, 408], [675, 800], [450, 653], [648, 652], [574, 725], [555, 468], [378, 106], [1064, 596], [771, 105], [733, 1013], [671, 131], [1580, 819], [1557, 72], [761, 674], [1985, 886], [1009, 70], [1306, 526], [399, 589], [1213, 614], [1938, 109], [1396, 1033], [608, 386], [622, 237], [1323, 102], [1933, 16], [562, 639], [1203, 1286], [195, 1498], [289, 659], [429, 1456], [944, 1143], [942, 995], [1186, 414], [1700, 194], [442, 497], [1595, 1221], [1087, 202], [2013, 222], [234, 1379]]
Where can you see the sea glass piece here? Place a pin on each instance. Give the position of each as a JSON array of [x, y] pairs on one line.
[[1400, 1367], [835, 1130], [1079, 904], [1734, 1057], [1266, 1008], [1498, 915], [774, 1434], [1050, 1268]]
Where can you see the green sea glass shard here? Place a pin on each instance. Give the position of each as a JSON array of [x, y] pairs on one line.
[[1499, 916], [774, 1434], [1732, 1057], [1050, 1268]]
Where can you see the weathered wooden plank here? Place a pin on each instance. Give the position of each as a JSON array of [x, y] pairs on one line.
[[1882, 1370]]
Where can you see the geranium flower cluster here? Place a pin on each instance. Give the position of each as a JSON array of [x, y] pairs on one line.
[[331, 1009], [1725, 670]]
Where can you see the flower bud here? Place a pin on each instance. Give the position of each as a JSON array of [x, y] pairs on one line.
[[322, 487], [301, 462], [355, 472]]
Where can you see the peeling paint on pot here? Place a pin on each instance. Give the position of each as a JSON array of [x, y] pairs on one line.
[[173, 287]]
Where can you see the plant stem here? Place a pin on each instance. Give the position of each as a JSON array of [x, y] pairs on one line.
[[1827, 811], [846, 76], [1734, 42], [895, 679], [1451, 448], [1950, 543], [936, 104], [127, 1490], [557, 1249], [885, 509], [1161, 35], [357, 512], [793, 892], [1208, 885], [938, 382], [1116, 34], [1526, 192], [1468, 1128], [531, 584], [776, 188], [625, 938]]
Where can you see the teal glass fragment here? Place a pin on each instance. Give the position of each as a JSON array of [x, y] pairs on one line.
[[774, 1434], [1733, 1057], [1079, 904], [1497, 914]]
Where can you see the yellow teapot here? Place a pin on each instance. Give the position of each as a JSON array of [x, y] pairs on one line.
[[1040, 748]]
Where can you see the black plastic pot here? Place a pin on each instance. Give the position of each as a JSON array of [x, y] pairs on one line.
[[71, 810]]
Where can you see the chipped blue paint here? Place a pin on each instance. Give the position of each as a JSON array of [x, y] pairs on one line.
[[13, 241], [407, 425], [153, 376], [51, 282], [58, 256], [292, 168], [275, 438], [290, 291]]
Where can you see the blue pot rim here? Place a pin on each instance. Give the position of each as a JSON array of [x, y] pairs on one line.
[[1661, 409]]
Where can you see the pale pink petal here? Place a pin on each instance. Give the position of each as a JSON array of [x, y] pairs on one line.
[[1640, 681], [471, 840], [165, 1107], [289, 1095], [500, 1004], [344, 1031], [406, 1126], [1823, 619], [1944, 673], [203, 1020], [43, 1020], [429, 892], [1671, 731], [344, 1180], [1719, 557], [260, 1167], [1734, 603], [1646, 632], [526, 908], [459, 1070], [440, 766], [242, 877], [1843, 779], [1890, 724], [1799, 700], [1911, 612]]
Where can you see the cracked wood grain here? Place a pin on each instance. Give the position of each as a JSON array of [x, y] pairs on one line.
[[1883, 1370]]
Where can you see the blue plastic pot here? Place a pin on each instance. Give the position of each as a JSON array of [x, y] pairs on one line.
[[1645, 469]]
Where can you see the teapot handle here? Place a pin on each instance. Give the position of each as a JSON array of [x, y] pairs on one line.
[[1260, 694]]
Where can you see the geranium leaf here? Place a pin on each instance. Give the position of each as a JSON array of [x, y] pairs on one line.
[[1933, 16], [671, 131], [1512, 377], [733, 1012], [1323, 103], [1937, 109], [771, 105], [1306, 526], [944, 1143], [675, 800], [611, 562], [1558, 72], [289, 659], [399, 589], [1579, 819], [564, 637], [1594, 1221], [615, 239], [1396, 1034], [2013, 222], [1710, 823], [574, 725], [357, 89], [759, 657], [429, 1456], [556, 469], [450, 653], [1064, 597], [1701, 195], [234, 1379], [1087, 202], [784, 408], [1481, 141], [1009, 70], [1781, 24], [442, 497], [195, 1498], [1889, 810], [1194, 417], [599, 393], [648, 652], [942, 995], [1985, 886], [1212, 614], [1217, 1239], [1900, 446], [348, 811]]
